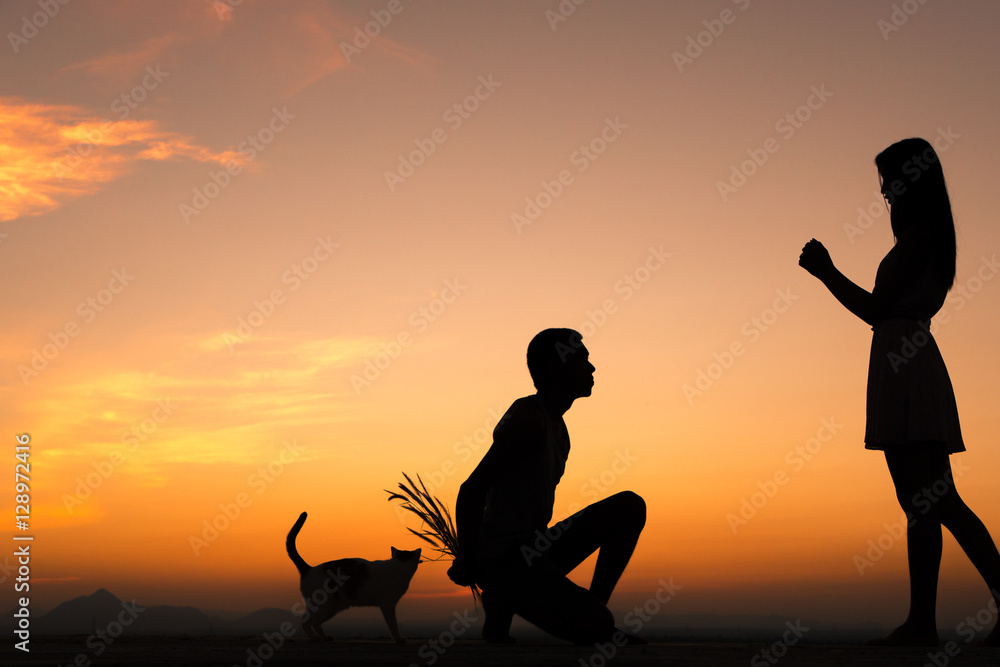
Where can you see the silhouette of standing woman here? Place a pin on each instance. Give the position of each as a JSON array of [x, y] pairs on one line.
[[911, 411]]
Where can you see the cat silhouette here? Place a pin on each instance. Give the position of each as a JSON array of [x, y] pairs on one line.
[[335, 585]]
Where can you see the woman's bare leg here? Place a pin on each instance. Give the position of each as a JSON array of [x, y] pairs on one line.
[[913, 475], [925, 488], [974, 538]]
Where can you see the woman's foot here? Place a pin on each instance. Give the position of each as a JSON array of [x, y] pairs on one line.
[[908, 634]]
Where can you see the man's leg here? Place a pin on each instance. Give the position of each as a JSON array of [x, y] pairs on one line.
[[549, 600], [534, 586], [498, 615], [612, 525]]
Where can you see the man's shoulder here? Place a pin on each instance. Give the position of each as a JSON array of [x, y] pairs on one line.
[[524, 414]]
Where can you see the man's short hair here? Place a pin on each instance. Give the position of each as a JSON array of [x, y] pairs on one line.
[[548, 349]]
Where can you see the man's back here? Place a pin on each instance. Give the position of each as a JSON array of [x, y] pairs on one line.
[[529, 451]]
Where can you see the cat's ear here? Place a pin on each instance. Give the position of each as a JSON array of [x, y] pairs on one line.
[[395, 552], [417, 554]]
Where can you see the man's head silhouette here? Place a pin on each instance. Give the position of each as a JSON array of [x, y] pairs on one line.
[[559, 362]]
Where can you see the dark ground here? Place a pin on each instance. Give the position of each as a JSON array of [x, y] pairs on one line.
[[248, 652]]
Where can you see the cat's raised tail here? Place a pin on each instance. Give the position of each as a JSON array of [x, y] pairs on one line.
[[293, 553]]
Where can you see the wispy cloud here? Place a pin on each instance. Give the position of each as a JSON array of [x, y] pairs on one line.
[[223, 407], [287, 47], [127, 63], [149, 32], [54, 153]]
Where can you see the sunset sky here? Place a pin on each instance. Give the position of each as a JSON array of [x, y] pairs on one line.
[[255, 258]]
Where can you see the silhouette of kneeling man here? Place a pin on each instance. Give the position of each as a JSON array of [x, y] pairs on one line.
[[504, 508]]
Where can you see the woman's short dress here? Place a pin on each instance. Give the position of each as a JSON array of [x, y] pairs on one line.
[[910, 396]]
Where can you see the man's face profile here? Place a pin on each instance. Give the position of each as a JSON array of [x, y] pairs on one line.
[[576, 373]]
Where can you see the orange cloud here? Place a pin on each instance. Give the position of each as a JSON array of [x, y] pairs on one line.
[[50, 154]]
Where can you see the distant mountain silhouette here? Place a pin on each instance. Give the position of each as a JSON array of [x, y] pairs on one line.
[[80, 615], [88, 613]]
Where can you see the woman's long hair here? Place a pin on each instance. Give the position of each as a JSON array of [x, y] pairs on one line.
[[913, 182]]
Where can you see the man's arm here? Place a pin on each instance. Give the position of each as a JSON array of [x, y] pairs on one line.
[[517, 434]]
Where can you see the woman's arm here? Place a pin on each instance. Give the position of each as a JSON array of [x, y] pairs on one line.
[[816, 260]]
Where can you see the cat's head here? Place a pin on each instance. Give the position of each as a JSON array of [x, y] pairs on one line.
[[405, 556]]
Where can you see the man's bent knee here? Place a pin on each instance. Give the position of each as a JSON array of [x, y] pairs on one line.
[[631, 507]]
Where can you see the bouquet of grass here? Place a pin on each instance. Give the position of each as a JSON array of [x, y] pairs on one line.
[[437, 528]]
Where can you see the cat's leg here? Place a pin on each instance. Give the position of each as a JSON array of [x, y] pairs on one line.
[[310, 633], [307, 626], [321, 616], [313, 629], [389, 614]]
